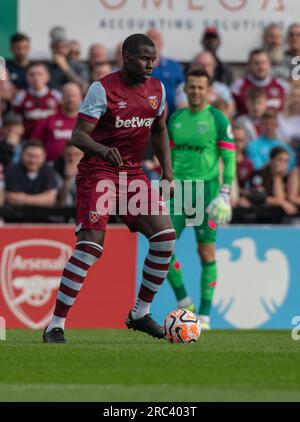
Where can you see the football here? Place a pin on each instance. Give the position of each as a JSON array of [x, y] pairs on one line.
[[182, 326]]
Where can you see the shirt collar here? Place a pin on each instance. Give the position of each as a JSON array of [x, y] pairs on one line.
[[44, 91]]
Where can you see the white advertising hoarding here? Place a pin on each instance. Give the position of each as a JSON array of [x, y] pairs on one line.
[[240, 22]]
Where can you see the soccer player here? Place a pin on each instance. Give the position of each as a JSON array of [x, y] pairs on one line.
[[113, 127], [199, 135]]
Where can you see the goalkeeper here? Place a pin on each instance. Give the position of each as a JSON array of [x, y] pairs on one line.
[[199, 135]]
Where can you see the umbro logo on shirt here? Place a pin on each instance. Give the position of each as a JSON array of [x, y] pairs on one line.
[[122, 104], [134, 122]]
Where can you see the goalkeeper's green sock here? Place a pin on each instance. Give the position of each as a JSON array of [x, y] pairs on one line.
[[176, 279], [208, 284]]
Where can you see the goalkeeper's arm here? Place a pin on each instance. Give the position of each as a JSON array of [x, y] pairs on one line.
[[219, 209]]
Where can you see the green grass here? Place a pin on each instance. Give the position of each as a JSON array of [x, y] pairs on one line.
[[120, 365]]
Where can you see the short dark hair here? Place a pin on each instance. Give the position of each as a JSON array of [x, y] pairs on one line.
[[135, 41], [256, 52], [276, 151], [18, 37], [199, 72], [237, 126], [292, 26], [221, 104], [34, 143], [35, 64]]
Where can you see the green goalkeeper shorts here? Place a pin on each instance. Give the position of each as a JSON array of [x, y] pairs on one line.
[[206, 232]]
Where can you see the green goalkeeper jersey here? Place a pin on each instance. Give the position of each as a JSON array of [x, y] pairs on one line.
[[197, 140]]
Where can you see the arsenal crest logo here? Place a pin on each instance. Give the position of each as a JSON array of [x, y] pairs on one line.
[[94, 216], [153, 100], [30, 276]]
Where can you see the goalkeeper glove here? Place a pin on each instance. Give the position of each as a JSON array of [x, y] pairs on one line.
[[219, 210]]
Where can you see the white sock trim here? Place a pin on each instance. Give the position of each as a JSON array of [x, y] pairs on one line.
[[204, 318], [93, 244], [162, 232], [84, 257], [56, 322], [140, 309], [186, 301]]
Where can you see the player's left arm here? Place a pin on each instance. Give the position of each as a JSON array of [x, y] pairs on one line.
[[160, 143], [220, 208], [226, 149], [161, 148]]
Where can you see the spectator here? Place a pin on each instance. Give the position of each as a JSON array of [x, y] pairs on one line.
[[7, 93], [97, 54], [18, 65], [211, 41], [100, 70], [293, 41], [269, 185], [74, 50], [58, 128], [293, 187], [259, 75], [31, 182], [167, 71], [38, 102], [273, 45], [11, 143], [218, 89], [289, 119], [62, 69], [224, 107], [244, 165], [2, 187], [118, 57], [258, 150], [66, 168], [74, 58], [256, 101]]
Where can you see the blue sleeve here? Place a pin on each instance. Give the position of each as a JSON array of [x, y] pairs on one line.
[[95, 102]]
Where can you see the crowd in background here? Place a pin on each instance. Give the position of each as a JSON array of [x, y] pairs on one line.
[[39, 103]]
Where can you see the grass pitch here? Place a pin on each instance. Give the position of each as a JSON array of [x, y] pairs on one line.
[[120, 365]]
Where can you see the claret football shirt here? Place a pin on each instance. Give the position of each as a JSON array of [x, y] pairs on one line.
[[124, 116]]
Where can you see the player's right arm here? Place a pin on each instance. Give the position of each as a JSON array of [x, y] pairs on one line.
[[82, 140], [92, 108]]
